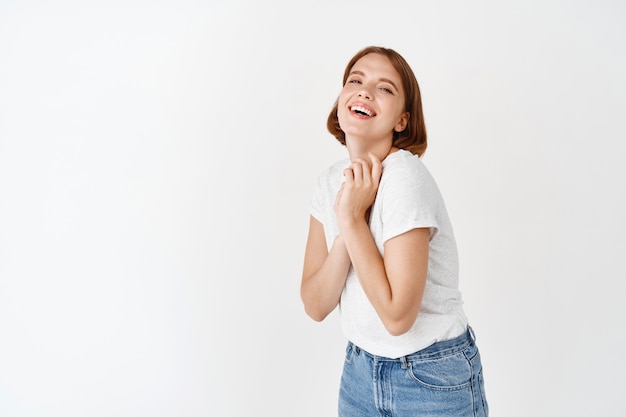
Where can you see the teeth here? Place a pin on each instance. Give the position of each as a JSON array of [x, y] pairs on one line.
[[360, 109]]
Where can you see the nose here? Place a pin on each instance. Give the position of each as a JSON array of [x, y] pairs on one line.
[[365, 93]]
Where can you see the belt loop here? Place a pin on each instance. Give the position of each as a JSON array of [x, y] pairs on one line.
[[471, 333], [404, 362]]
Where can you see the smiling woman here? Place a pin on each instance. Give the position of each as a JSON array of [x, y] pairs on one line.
[[155, 158], [381, 247]]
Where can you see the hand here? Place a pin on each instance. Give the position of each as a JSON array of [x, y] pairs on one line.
[[358, 192]]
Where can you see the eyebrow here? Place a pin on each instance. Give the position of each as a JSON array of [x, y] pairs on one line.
[[361, 73]]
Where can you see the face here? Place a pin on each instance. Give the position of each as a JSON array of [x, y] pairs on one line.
[[371, 104]]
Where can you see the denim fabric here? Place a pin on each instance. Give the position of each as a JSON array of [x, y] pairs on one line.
[[444, 379]]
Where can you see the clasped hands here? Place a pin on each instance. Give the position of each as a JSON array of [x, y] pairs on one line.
[[357, 194]]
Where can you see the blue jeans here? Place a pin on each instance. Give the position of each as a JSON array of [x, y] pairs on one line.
[[444, 379]]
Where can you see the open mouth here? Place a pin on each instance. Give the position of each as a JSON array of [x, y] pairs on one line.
[[362, 111]]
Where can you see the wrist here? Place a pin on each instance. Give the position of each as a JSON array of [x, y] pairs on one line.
[[347, 223]]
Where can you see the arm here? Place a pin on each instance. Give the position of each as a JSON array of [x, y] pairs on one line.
[[394, 284], [324, 273]]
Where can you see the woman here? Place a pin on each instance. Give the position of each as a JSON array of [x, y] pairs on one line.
[[381, 247]]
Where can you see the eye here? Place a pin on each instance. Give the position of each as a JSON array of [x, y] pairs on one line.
[[354, 81], [386, 90]]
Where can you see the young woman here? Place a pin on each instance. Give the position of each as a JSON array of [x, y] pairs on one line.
[[381, 247]]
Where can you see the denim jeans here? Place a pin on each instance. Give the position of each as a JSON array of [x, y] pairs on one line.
[[444, 379]]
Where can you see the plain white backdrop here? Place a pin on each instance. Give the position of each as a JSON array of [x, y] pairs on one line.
[[156, 164]]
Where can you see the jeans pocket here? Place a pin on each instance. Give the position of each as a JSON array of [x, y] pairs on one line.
[[448, 373]]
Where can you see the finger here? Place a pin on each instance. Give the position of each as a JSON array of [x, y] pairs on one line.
[[357, 168], [365, 165], [348, 174], [377, 168], [366, 170]]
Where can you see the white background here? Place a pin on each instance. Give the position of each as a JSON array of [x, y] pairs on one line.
[[156, 164]]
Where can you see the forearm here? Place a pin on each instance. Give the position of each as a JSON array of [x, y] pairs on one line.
[[321, 290], [396, 310], [368, 264]]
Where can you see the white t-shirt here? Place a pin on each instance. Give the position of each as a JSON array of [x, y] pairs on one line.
[[407, 198]]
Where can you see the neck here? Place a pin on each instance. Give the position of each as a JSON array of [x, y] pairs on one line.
[[360, 149]]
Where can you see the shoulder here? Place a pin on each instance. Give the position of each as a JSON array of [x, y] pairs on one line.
[[337, 167], [406, 167], [406, 178], [329, 180], [333, 173]]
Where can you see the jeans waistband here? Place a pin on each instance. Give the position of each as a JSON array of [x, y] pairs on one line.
[[437, 349]]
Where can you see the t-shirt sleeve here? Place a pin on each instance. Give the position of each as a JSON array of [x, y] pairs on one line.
[[410, 201]]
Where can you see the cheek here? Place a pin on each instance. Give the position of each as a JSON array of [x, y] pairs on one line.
[[342, 100], [342, 111], [398, 108], [341, 117]]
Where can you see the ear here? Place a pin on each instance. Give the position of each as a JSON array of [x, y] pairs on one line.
[[404, 120]]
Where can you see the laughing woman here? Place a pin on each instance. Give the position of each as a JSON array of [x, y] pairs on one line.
[[381, 246]]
